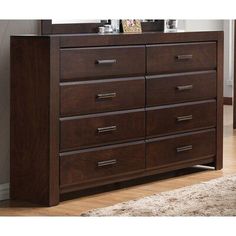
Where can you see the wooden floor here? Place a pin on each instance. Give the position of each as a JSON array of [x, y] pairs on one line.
[[77, 206]]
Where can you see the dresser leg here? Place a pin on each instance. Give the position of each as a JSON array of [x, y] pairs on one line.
[[218, 166]]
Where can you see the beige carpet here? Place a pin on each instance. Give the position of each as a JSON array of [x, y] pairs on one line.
[[213, 198]]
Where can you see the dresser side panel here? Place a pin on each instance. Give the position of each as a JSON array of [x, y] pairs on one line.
[[30, 116], [220, 81]]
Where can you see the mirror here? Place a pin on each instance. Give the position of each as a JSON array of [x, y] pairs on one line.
[[64, 26], [75, 21]]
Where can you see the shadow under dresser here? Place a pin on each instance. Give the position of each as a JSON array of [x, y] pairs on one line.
[[89, 110]]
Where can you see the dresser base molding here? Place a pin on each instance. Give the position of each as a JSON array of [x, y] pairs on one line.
[[137, 174]]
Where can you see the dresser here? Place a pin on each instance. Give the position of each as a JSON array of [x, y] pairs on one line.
[[88, 110]]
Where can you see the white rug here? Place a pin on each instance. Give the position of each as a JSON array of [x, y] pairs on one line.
[[213, 198]]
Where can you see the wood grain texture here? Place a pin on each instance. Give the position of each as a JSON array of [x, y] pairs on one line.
[[30, 143], [54, 193], [83, 63], [134, 177], [180, 87], [83, 97], [73, 133], [94, 164], [228, 101], [86, 40], [171, 58], [163, 151], [103, 197], [183, 117], [33, 144], [219, 114], [82, 131]]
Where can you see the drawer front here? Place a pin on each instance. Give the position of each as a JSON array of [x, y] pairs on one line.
[[170, 58], [83, 63], [101, 96], [181, 117], [93, 130], [95, 164], [180, 148], [183, 87]]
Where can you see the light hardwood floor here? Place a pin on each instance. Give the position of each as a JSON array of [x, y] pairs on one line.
[[79, 205]]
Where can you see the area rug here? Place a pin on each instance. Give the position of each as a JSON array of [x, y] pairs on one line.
[[213, 198]]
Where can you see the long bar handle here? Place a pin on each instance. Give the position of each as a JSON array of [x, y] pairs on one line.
[[184, 57], [184, 87], [107, 163], [106, 95], [102, 62], [184, 148], [106, 129], [184, 118]]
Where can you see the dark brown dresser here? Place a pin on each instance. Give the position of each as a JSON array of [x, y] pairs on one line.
[[89, 110]]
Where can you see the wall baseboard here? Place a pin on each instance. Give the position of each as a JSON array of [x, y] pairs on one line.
[[228, 101], [4, 191]]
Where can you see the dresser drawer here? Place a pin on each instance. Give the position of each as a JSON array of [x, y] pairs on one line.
[[182, 57], [180, 148], [92, 130], [100, 62], [181, 117], [102, 95], [91, 164], [182, 87]]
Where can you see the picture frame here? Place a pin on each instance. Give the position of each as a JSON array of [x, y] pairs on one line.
[[131, 26]]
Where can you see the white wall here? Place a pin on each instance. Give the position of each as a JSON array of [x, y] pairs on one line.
[[200, 25], [228, 57]]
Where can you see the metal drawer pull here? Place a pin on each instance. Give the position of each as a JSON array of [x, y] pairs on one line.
[[185, 87], [184, 148], [184, 57], [106, 129], [184, 118], [107, 163], [101, 62], [106, 95]]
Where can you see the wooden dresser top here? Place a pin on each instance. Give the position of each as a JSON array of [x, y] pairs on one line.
[[95, 39]]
